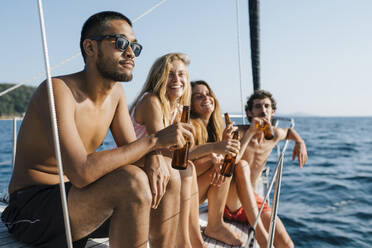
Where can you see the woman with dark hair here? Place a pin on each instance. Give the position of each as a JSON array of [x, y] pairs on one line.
[[213, 142]]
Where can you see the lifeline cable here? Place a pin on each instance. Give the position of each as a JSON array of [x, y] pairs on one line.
[[39, 75]]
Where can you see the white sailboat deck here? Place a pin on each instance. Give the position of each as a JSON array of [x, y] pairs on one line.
[[6, 240]]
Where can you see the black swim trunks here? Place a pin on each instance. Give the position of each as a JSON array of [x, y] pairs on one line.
[[34, 216]]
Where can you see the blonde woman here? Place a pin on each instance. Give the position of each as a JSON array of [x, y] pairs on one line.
[[158, 105], [213, 142]]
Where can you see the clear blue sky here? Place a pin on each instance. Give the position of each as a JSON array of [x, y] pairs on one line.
[[315, 55]]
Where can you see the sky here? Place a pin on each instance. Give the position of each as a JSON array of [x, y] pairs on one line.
[[315, 55]]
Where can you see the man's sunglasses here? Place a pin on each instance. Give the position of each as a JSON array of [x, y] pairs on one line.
[[121, 43]]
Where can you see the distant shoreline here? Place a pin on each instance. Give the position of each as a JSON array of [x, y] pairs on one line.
[[10, 117]]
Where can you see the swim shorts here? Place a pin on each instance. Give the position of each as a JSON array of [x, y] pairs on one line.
[[34, 216], [240, 215]]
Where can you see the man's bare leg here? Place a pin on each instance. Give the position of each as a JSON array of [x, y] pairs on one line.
[[246, 195], [166, 216], [216, 227], [123, 194], [281, 237]]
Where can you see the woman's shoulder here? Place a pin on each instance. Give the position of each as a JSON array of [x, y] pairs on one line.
[[148, 103], [151, 98], [148, 100]]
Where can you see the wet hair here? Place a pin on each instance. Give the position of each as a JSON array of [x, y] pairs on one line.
[[213, 131], [97, 24], [259, 94], [157, 80]]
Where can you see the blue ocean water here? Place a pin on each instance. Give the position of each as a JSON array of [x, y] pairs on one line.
[[328, 203]]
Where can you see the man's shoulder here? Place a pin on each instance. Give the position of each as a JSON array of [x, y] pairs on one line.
[[66, 83], [41, 93], [281, 133]]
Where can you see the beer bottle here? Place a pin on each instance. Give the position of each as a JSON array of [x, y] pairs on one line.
[[228, 166], [267, 129], [227, 119], [180, 156]]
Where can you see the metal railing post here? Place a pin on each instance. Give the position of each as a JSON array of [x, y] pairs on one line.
[[14, 139], [278, 184]]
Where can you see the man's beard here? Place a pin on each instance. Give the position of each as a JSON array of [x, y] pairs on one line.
[[106, 72]]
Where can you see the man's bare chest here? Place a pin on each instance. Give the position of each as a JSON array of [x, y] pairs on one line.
[[256, 154], [92, 124]]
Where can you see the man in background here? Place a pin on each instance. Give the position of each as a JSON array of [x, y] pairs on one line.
[[243, 203]]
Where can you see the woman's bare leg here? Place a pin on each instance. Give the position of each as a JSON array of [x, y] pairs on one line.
[[204, 183], [233, 202], [195, 233], [216, 227], [183, 235]]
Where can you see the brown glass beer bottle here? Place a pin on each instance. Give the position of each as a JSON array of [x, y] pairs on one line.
[[228, 166], [180, 156], [227, 119], [267, 129]]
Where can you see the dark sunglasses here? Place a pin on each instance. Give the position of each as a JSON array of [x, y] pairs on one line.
[[121, 43]]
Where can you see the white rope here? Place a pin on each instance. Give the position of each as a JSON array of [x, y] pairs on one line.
[[39, 75], [55, 129], [11, 88], [240, 60], [149, 10]]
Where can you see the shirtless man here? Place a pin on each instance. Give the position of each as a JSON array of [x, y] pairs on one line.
[[106, 191], [255, 150]]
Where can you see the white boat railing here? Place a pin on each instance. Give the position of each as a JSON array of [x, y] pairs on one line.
[[5, 162], [14, 142], [4, 196], [14, 139]]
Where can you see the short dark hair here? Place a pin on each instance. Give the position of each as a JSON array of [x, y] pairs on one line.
[[96, 25], [259, 94]]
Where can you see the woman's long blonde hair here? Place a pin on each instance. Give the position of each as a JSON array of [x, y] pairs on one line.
[[213, 131], [157, 80]]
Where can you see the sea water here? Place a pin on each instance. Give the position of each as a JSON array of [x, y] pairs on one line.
[[328, 203]]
